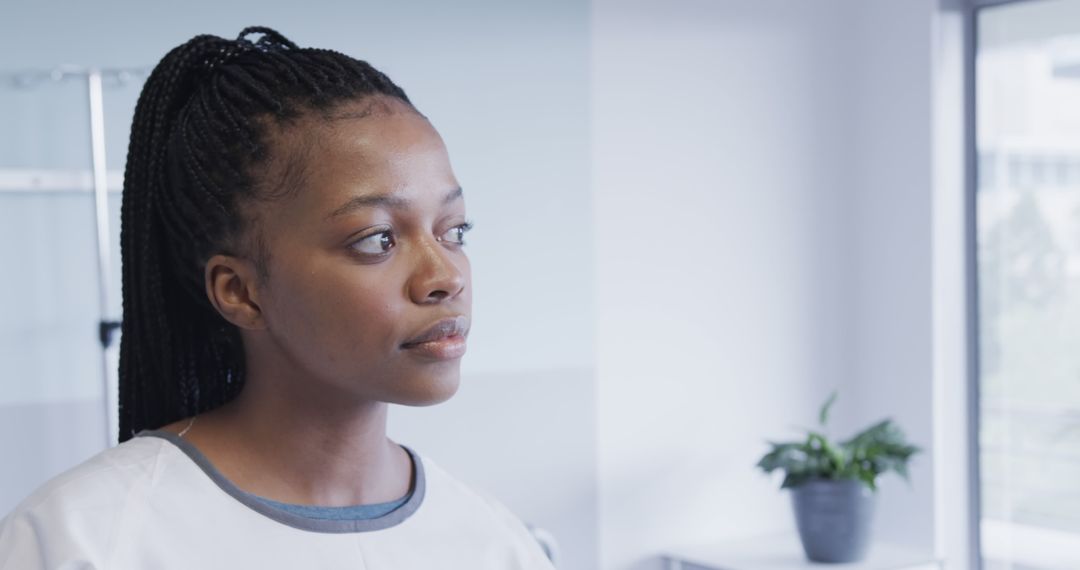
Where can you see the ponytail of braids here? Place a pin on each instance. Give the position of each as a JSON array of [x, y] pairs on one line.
[[198, 135]]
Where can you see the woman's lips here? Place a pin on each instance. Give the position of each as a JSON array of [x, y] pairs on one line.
[[444, 348]]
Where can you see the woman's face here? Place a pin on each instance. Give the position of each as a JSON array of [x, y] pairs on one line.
[[367, 256]]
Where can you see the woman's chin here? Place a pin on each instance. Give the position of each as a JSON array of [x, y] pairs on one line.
[[429, 391]]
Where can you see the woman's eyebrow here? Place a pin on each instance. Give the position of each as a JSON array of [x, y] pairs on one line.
[[385, 201]]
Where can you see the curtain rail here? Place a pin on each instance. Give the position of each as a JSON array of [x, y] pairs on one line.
[[32, 78], [37, 180]]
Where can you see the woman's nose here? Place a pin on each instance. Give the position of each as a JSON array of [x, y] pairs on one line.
[[437, 275]]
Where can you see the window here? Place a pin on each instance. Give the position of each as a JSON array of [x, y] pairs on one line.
[[1027, 212]]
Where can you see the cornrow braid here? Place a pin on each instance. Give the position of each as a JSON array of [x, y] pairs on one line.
[[199, 132]]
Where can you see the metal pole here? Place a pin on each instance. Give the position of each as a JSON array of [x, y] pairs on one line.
[[101, 209]]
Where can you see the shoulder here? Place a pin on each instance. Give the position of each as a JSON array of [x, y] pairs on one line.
[[103, 477], [81, 508], [448, 494], [445, 487]]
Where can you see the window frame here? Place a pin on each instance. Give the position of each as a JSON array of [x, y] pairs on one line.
[[970, 31]]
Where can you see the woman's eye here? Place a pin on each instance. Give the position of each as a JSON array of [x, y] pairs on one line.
[[457, 233], [375, 244]]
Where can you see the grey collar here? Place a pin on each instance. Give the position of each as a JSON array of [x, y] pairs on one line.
[[388, 520]]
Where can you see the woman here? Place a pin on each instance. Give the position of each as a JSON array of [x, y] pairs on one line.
[[292, 247]]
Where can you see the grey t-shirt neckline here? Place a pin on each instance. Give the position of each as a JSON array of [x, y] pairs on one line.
[[352, 512], [329, 525]]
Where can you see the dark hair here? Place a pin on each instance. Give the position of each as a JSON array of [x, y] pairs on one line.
[[201, 127]]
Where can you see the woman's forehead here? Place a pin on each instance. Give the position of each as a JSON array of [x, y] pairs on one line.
[[397, 154]]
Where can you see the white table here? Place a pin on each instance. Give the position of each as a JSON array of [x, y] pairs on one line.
[[784, 552]]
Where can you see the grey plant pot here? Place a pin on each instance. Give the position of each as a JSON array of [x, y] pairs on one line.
[[834, 519]]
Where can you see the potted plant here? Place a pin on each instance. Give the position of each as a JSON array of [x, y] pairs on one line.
[[834, 485]]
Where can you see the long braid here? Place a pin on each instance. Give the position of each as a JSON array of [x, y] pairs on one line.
[[198, 136]]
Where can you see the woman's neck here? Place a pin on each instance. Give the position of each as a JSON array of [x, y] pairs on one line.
[[297, 446]]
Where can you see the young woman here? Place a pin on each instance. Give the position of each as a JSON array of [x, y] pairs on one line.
[[293, 262]]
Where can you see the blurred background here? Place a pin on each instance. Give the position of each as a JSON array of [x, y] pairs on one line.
[[695, 219]]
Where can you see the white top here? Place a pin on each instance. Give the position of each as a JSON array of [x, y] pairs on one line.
[[154, 501]]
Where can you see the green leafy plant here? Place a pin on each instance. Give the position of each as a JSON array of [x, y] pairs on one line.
[[876, 450]]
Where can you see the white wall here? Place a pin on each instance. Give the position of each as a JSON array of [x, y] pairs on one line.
[[893, 197], [763, 188], [722, 188]]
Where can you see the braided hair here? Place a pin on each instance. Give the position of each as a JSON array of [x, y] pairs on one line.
[[200, 142]]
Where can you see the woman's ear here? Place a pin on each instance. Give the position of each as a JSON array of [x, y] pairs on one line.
[[231, 285]]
